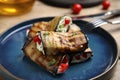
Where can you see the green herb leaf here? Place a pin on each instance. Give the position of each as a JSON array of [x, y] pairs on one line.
[[47, 33], [61, 26], [52, 62]]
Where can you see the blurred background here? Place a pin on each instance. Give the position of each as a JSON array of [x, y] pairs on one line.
[[41, 9], [46, 8]]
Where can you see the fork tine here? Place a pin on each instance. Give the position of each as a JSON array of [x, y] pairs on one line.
[[98, 22], [94, 24], [95, 20]]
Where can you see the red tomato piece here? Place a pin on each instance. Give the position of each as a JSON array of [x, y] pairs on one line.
[[36, 39], [76, 8], [64, 67], [65, 60], [77, 57], [67, 21], [106, 4], [84, 55]]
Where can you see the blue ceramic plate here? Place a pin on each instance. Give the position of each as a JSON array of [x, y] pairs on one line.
[[16, 65]]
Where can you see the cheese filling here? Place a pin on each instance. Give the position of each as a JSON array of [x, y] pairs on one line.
[[40, 47], [63, 24], [64, 65], [39, 44]]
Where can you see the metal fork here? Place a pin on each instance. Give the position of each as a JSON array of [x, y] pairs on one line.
[[97, 22], [101, 21]]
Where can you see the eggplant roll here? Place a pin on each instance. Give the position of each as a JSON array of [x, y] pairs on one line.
[[54, 64], [57, 24], [54, 43]]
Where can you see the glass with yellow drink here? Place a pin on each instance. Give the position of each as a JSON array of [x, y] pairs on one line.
[[15, 7]]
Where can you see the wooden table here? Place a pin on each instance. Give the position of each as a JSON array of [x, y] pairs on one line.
[[42, 10]]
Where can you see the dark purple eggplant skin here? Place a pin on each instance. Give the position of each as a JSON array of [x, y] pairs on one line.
[[27, 41]]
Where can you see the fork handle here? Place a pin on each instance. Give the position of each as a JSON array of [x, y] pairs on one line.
[[111, 14]]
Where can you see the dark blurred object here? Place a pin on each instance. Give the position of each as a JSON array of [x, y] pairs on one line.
[[69, 3]]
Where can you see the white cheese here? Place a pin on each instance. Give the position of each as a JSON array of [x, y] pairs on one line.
[[61, 25]]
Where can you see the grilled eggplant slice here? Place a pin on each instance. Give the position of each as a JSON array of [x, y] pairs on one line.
[[54, 64], [58, 24], [38, 26], [57, 42]]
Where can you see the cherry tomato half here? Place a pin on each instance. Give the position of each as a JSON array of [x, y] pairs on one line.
[[106, 4], [76, 8]]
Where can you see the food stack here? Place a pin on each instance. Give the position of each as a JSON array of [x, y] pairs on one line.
[[56, 44]]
